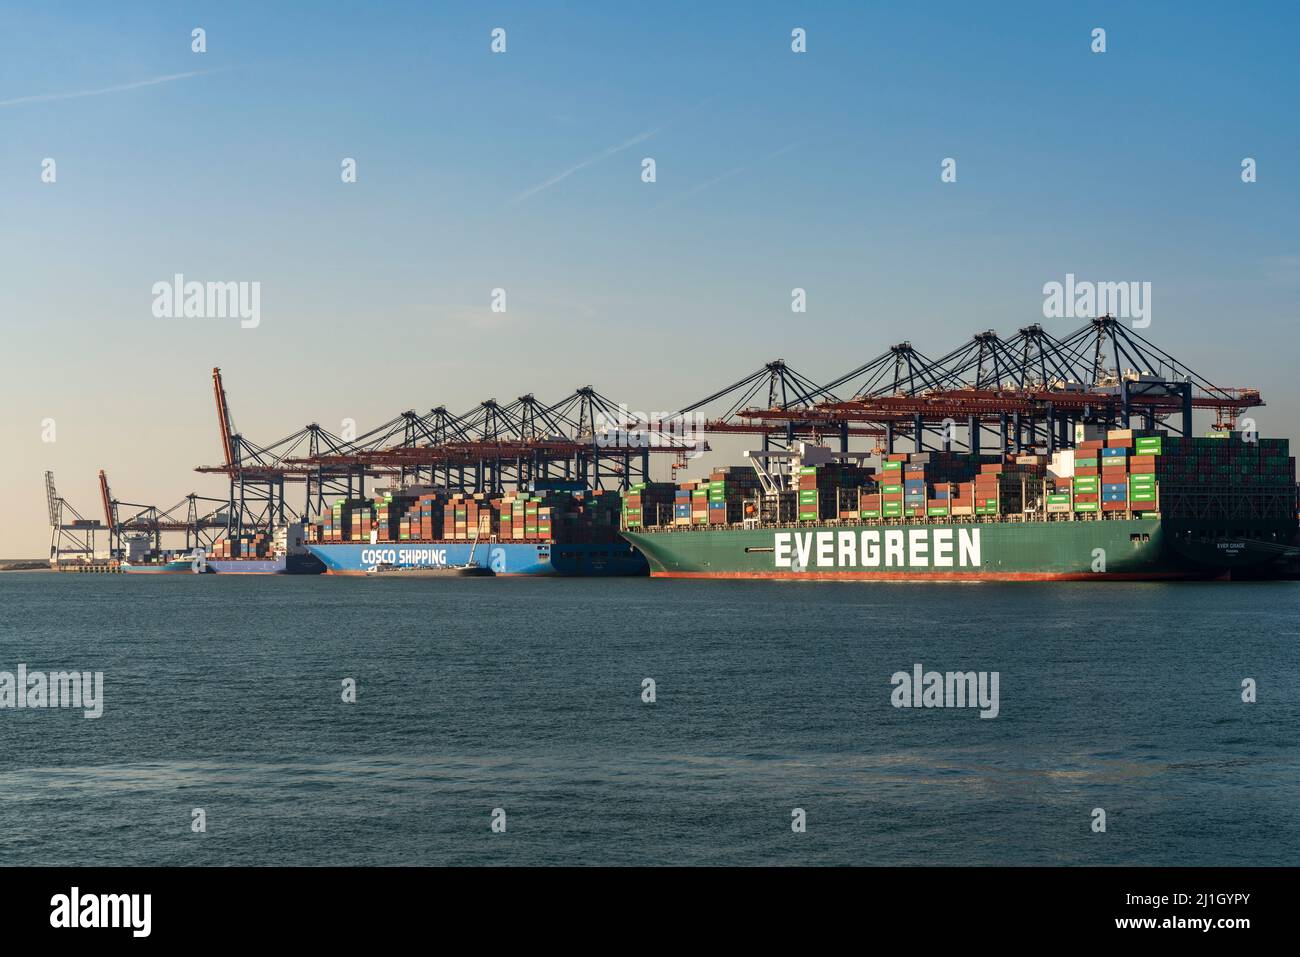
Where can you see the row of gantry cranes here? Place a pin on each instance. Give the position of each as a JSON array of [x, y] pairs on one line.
[[989, 394]]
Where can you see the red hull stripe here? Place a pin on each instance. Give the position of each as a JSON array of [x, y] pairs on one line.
[[495, 575], [942, 576]]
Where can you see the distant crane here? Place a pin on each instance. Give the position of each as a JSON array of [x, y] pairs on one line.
[[73, 537], [150, 520]]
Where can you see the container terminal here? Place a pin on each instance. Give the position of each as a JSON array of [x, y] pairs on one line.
[[1029, 457]]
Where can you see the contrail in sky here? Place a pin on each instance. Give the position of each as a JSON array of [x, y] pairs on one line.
[[603, 154], [154, 81], [727, 175], [608, 152]]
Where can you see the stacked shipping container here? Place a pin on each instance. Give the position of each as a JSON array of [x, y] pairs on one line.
[[400, 516], [247, 545]]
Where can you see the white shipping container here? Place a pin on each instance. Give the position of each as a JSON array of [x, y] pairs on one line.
[[1062, 464]]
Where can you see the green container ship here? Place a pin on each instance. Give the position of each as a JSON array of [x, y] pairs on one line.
[[1152, 508], [1057, 550]]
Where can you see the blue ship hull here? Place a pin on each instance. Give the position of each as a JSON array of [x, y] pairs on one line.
[[504, 558]]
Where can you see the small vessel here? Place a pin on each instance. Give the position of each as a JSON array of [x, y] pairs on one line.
[[162, 565], [139, 557], [471, 569], [431, 571]]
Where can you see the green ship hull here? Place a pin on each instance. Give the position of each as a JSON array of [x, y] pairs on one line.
[[1134, 549]]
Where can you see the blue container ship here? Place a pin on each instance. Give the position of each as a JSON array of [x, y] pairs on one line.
[[616, 558], [552, 528]]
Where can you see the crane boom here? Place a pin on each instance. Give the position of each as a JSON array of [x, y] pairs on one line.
[[52, 499], [223, 418], [106, 497]]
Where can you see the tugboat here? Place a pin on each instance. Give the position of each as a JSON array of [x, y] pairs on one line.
[[139, 558]]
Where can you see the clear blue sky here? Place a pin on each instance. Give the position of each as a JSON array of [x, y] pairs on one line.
[[775, 170]]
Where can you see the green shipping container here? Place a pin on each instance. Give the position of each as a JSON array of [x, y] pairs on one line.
[[891, 466], [936, 510], [1085, 506]]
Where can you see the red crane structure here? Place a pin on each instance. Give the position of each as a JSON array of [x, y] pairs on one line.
[[1027, 392], [988, 394]]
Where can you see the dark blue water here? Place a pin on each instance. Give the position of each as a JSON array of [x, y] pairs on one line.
[[225, 693]]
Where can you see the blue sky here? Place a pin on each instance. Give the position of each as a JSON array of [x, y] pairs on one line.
[[775, 170]]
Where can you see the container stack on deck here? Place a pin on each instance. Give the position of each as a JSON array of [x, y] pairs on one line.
[[247, 545], [419, 516], [1227, 477], [819, 488], [919, 485], [422, 518], [1116, 473], [596, 516], [728, 490], [345, 516], [1122, 472], [390, 510], [653, 503], [467, 516]]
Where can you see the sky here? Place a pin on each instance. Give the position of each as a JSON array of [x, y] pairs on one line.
[[522, 171]]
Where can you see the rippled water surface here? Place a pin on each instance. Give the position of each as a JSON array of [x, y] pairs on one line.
[[224, 694]]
